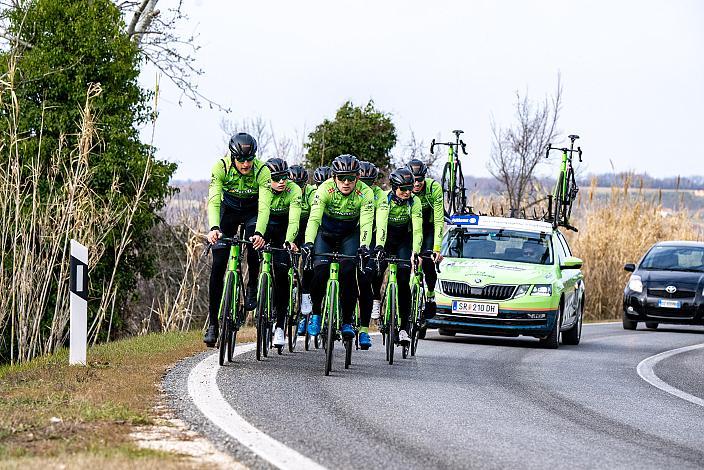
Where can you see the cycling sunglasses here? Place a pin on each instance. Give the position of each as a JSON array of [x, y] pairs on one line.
[[406, 188], [279, 177], [348, 178], [419, 179], [245, 159]]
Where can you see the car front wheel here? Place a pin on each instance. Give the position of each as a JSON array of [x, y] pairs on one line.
[[552, 341], [629, 324], [651, 325]]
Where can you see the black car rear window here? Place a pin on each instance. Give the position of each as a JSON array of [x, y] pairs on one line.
[[674, 258]]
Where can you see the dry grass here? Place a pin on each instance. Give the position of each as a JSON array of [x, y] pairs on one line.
[[50, 411], [619, 231], [43, 205], [176, 298]]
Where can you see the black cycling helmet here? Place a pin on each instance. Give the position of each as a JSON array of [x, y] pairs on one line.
[[321, 174], [417, 167], [243, 146], [368, 172], [278, 167], [345, 164], [401, 177], [298, 174]]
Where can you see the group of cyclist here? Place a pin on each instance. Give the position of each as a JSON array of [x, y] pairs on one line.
[[345, 211]]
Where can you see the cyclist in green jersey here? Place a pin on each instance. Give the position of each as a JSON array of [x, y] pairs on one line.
[[239, 194], [299, 175], [429, 192], [282, 230], [341, 220], [399, 233], [367, 295]]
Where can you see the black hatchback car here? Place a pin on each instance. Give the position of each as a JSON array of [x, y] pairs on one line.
[[666, 286]]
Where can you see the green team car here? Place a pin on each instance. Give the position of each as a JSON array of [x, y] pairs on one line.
[[509, 277]]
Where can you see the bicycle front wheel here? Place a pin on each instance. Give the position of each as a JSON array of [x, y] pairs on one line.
[[460, 202], [237, 321], [558, 196], [416, 302], [392, 325], [225, 315], [332, 314], [294, 314], [262, 318], [448, 189]]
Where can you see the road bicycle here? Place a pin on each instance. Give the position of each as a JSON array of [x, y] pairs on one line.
[[565, 191], [231, 313], [390, 320], [418, 300], [453, 190], [331, 313]]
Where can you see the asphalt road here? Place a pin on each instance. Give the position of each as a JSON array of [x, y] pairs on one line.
[[474, 402]]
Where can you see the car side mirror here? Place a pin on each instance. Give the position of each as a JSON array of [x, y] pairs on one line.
[[571, 262], [630, 267]]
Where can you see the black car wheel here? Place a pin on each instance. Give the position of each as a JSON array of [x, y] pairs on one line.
[[552, 341], [629, 324], [651, 325]]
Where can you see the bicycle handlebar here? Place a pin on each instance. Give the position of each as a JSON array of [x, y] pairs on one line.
[[578, 150], [454, 145], [227, 241]]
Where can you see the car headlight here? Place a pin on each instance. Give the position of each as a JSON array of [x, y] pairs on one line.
[[521, 290], [635, 283], [542, 289]]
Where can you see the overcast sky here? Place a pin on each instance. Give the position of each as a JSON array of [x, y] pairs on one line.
[[632, 71]]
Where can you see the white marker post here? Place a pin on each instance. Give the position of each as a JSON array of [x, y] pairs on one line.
[[79, 304]]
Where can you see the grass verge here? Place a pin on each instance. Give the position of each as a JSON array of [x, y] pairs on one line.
[[52, 413]]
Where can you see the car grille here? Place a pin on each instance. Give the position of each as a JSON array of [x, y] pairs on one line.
[[679, 294], [491, 292]]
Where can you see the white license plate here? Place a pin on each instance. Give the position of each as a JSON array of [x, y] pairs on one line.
[[475, 308], [669, 303]]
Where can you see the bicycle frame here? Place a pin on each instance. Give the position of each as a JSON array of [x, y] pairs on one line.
[[232, 267], [392, 281], [417, 280], [333, 282], [265, 272]]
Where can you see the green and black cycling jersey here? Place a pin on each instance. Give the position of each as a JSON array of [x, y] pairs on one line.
[[285, 209], [307, 200], [433, 212], [395, 221], [239, 192], [337, 214]]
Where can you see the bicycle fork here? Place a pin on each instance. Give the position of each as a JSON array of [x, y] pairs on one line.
[[331, 301]]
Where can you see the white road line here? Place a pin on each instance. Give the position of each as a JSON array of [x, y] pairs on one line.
[[203, 389], [647, 373]]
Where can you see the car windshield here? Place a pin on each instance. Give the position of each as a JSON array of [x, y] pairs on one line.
[[674, 258], [498, 244]]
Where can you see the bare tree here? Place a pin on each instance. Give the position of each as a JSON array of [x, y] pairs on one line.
[[257, 127], [419, 149], [517, 149], [269, 142], [155, 32]]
